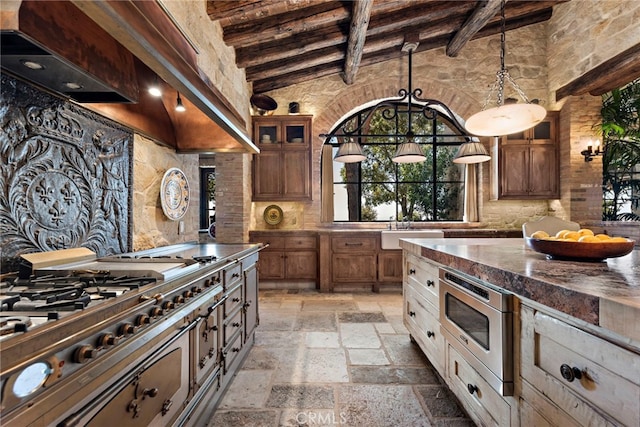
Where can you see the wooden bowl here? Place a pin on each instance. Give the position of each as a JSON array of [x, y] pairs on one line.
[[580, 251]]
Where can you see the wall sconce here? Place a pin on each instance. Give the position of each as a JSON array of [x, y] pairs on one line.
[[592, 152]]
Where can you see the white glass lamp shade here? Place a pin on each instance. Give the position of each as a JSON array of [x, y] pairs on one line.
[[505, 119], [409, 152], [349, 152], [471, 152]]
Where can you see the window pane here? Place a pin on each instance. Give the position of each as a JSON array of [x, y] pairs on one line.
[[378, 189]]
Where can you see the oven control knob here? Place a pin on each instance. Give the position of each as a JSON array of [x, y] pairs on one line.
[[178, 299], [187, 294], [155, 312], [208, 283], [168, 305], [107, 340], [196, 289], [127, 329], [142, 320], [84, 353]]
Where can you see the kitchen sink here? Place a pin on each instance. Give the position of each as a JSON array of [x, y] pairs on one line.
[[390, 238]]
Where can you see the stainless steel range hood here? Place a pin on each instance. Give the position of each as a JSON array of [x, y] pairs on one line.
[[29, 61]]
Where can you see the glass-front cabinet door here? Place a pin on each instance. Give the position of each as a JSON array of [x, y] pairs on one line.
[[282, 170]]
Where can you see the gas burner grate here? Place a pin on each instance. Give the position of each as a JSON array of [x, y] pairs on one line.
[[203, 259]]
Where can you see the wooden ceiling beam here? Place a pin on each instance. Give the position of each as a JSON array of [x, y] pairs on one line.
[[225, 9], [478, 19], [284, 25], [357, 37], [612, 74], [276, 50], [296, 63]]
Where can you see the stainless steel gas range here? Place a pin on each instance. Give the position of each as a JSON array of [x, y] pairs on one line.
[[144, 338]]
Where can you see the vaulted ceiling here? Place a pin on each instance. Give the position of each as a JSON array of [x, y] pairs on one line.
[[285, 42]]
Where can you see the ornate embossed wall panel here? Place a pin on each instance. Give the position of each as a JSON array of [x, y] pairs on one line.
[[66, 176]]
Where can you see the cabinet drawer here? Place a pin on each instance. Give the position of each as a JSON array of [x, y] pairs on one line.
[[275, 242], [485, 405], [422, 322], [231, 326], [302, 242], [608, 374], [232, 276], [354, 244], [423, 275], [233, 301], [231, 353]]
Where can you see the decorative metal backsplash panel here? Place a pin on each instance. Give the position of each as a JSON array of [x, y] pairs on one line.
[[65, 176]]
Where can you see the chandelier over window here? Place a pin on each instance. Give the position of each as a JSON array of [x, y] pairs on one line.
[[507, 116], [408, 151]]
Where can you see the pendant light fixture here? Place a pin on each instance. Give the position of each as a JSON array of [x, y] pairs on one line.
[[179, 105], [349, 152], [507, 117], [349, 133]]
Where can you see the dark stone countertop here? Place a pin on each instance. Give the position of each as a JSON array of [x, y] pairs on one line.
[[605, 293]]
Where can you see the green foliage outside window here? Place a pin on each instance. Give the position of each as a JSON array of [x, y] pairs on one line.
[[621, 159]]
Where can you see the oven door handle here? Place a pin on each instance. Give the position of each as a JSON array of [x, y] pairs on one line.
[[212, 308]]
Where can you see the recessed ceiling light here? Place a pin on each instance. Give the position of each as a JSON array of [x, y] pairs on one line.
[[72, 85], [32, 64]]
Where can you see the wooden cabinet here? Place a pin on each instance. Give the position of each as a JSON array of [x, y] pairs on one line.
[[571, 376], [289, 256], [526, 164], [282, 170], [390, 266], [354, 260], [421, 308]]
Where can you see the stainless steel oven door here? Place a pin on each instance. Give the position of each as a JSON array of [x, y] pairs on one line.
[[478, 330]]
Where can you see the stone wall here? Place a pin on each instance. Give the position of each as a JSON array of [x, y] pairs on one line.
[[151, 228], [462, 83], [233, 197], [215, 59], [585, 33], [541, 58]]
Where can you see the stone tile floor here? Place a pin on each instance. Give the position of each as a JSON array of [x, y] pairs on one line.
[[335, 360]]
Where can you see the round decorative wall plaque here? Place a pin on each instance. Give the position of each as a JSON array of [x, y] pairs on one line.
[[174, 194], [273, 215]]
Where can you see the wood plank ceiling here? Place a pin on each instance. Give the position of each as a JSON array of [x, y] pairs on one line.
[[286, 42]]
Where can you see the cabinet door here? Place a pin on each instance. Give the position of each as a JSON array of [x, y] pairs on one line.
[[301, 265], [543, 171], [390, 266], [267, 176], [354, 267], [295, 174], [514, 170], [250, 305], [271, 265]]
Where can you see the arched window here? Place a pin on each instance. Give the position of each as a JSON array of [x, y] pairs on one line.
[[377, 189]]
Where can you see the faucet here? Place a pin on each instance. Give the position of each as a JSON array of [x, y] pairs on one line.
[[390, 221]]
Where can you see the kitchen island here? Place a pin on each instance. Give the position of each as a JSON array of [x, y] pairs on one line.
[[575, 344]]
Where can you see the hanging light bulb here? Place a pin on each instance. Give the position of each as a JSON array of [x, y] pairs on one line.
[[154, 89], [179, 106], [507, 117]]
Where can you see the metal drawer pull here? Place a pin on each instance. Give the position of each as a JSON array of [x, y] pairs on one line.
[[430, 283], [235, 324], [236, 299], [472, 388], [353, 244], [412, 271], [430, 334], [412, 313], [569, 373]]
